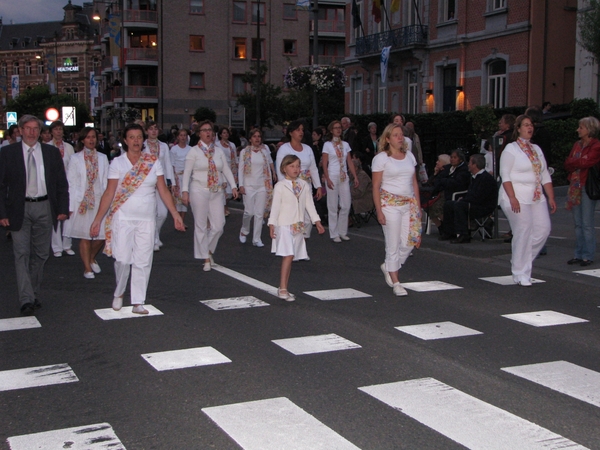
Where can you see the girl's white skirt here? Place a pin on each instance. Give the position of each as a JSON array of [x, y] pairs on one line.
[[288, 244]]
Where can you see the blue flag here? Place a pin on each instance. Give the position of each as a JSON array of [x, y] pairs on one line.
[[303, 4]]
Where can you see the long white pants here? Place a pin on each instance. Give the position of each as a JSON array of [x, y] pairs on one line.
[[161, 216], [255, 201], [339, 196], [60, 243], [207, 207], [530, 229], [395, 231], [133, 245]]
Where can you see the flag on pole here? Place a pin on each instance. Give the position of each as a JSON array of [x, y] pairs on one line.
[[14, 86], [376, 11], [385, 57], [303, 4], [356, 22], [395, 6]]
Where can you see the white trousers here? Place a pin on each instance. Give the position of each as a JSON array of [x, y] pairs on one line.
[[133, 245], [530, 229], [338, 198], [255, 201], [161, 216], [207, 208], [60, 243], [395, 231]]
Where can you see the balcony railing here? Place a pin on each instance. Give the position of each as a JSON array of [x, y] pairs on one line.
[[328, 60], [331, 26], [138, 15], [115, 94], [396, 38], [141, 54]]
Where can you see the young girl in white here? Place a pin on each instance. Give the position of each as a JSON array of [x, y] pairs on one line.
[[292, 197]]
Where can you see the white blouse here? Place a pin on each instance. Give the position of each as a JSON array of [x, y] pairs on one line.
[[196, 169], [333, 166], [307, 162]]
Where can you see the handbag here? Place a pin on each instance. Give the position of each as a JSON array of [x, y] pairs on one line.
[[592, 184]]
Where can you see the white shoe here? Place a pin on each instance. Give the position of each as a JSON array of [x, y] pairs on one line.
[[399, 291], [258, 244], [285, 295], [57, 254], [386, 274], [337, 240], [207, 266], [344, 238], [95, 267], [156, 248], [89, 275], [139, 309], [242, 238], [69, 252], [117, 303], [526, 283]]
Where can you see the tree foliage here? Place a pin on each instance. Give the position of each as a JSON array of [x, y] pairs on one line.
[[589, 28], [204, 113], [271, 110]]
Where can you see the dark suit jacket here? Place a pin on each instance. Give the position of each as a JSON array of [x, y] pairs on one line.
[[13, 183], [457, 181], [104, 147], [483, 192]]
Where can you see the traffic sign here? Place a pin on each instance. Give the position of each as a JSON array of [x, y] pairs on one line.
[[68, 114], [11, 118]]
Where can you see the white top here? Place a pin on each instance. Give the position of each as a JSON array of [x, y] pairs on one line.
[[489, 162], [255, 179], [409, 144], [333, 166], [307, 162], [68, 151], [77, 177], [39, 165], [516, 168], [196, 168], [397, 174], [178, 155], [164, 158], [142, 203]]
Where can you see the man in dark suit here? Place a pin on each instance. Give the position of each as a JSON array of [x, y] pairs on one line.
[[103, 146], [479, 201], [34, 196]]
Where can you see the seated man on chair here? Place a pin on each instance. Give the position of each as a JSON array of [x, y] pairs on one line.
[[479, 201]]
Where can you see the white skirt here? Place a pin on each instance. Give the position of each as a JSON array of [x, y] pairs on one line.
[[288, 244], [78, 225]]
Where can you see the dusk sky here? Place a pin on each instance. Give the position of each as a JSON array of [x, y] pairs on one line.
[[26, 11]]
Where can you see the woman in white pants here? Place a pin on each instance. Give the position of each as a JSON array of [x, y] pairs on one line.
[[396, 198], [256, 173], [178, 153], [204, 178], [130, 200], [230, 152], [336, 160], [524, 173]]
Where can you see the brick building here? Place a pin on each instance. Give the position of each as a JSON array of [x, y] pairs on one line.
[[457, 54]]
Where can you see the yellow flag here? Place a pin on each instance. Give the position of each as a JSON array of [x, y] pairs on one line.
[[395, 6]]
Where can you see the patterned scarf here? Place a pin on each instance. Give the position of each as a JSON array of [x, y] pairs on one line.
[[132, 181], [234, 161], [414, 232], [339, 152], [575, 188], [298, 227], [154, 147], [91, 171], [268, 180], [536, 164], [61, 147], [213, 174]]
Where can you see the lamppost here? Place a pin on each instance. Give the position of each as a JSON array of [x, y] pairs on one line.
[[258, 56], [315, 10]]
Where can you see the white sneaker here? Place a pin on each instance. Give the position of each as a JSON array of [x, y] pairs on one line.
[[386, 274], [156, 248], [139, 309], [337, 240], [242, 238], [95, 267], [258, 244], [57, 254], [69, 252], [344, 238], [206, 267], [117, 303], [399, 291], [526, 283], [89, 275]]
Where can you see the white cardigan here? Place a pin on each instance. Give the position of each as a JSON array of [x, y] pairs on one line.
[[286, 209], [77, 177]]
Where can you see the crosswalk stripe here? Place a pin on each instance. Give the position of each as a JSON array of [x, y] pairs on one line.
[[19, 323], [438, 330], [564, 377], [544, 318], [36, 376], [89, 437], [125, 313], [337, 294], [181, 359], [246, 279], [249, 301], [315, 344], [463, 418], [507, 280], [275, 424]]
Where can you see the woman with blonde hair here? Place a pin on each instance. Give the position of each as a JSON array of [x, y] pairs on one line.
[[396, 198]]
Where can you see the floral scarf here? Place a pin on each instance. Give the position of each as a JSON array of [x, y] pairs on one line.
[[268, 179], [132, 181], [298, 227], [61, 146], [536, 164], [154, 147], [91, 171], [234, 161], [414, 232], [213, 173], [339, 152], [575, 188]]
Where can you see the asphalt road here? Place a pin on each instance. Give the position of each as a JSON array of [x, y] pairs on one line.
[[381, 388]]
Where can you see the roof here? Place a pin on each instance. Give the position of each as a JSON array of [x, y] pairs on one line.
[[27, 35]]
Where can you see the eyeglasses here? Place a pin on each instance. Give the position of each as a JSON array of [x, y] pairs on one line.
[[206, 130], [337, 128], [31, 128]]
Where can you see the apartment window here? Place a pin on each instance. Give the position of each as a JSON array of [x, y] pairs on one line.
[[448, 10], [3, 69], [73, 92], [289, 12], [289, 47], [239, 86], [498, 4], [356, 89], [497, 83], [381, 90], [40, 67], [142, 40], [196, 43], [358, 30], [239, 12], [16, 68], [28, 68], [412, 92], [412, 16], [258, 8], [196, 6], [196, 80], [239, 48], [258, 51]]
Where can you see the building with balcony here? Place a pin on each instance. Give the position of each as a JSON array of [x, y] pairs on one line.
[[331, 32], [457, 54]]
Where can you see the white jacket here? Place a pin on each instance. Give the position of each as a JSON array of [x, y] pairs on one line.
[[164, 157], [77, 177], [68, 151], [286, 209]]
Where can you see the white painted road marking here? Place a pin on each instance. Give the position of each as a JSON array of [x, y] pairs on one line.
[[19, 323], [337, 294], [429, 286], [246, 279], [89, 437], [125, 313], [544, 318], [36, 376], [219, 304], [315, 344], [507, 280], [275, 424], [439, 330], [181, 359], [465, 419], [564, 377], [591, 273]]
